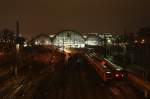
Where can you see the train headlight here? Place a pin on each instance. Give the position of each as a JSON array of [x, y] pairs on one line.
[[118, 69], [108, 72]]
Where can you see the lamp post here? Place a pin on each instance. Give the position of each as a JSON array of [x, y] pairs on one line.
[[17, 56]]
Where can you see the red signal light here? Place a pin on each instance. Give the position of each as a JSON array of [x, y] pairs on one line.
[[117, 75]]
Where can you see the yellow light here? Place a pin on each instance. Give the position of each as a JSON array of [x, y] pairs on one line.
[[67, 50], [142, 41], [17, 47]]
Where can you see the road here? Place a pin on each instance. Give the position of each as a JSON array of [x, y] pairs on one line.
[[74, 79]]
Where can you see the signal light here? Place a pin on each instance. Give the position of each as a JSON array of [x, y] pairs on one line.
[[117, 75]]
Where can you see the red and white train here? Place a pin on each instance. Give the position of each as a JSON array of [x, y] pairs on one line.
[[105, 68]]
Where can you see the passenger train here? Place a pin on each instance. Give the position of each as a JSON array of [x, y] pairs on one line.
[[105, 68]]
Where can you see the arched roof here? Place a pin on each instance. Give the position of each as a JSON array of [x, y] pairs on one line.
[[68, 38], [40, 35], [68, 30]]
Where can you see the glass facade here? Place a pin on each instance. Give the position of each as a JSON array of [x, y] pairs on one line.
[[69, 39], [42, 40]]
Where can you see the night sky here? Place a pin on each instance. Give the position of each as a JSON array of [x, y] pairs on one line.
[[43, 16]]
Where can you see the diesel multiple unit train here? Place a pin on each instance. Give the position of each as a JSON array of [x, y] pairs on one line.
[[105, 68]]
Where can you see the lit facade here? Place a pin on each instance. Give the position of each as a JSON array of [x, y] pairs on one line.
[[69, 39], [74, 39]]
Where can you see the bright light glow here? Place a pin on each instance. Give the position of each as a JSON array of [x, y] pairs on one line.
[[135, 41], [90, 42], [84, 36], [25, 44], [17, 47], [36, 42], [70, 45], [143, 41], [117, 75], [108, 72], [51, 35], [82, 45], [118, 69], [67, 50], [104, 66], [109, 41]]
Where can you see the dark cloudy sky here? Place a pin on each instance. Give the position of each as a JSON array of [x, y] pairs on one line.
[[41, 16]]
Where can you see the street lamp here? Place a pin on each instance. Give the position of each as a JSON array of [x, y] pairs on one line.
[[17, 56], [17, 48]]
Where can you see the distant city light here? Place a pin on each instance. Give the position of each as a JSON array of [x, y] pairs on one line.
[[17, 47], [109, 41], [135, 41], [25, 44], [36, 43], [143, 41]]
